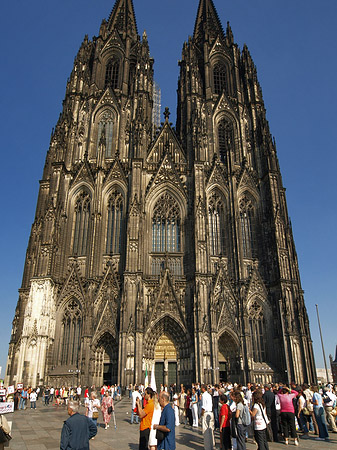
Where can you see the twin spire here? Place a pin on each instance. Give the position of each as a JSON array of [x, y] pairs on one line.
[[207, 24]]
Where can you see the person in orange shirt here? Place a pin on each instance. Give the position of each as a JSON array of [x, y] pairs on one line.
[[146, 418]]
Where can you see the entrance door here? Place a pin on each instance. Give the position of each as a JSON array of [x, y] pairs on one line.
[[223, 372], [159, 374], [107, 374], [172, 373]]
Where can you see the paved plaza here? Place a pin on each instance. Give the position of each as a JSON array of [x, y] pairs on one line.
[[41, 430]]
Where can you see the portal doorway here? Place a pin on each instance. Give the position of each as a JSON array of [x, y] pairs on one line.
[[165, 356], [229, 358]]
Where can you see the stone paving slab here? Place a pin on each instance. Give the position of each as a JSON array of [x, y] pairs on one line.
[[40, 429]]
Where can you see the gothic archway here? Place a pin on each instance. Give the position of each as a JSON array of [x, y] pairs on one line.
[[105, 362], [229, 358], [167, 342]]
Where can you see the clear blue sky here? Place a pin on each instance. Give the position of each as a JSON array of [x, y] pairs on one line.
[[293, 44]]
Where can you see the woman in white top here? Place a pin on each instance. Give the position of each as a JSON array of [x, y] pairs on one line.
[[259, 415], [176, 409], [93, 405], [155, 421]]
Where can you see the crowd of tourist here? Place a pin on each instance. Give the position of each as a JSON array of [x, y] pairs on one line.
[[271, 412]]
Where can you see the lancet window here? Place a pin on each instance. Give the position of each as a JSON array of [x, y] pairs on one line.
[[82, 222], [220, 79], [105, 133], [166, 225], [226, 138], [71, 329], [247, 225], [256, 326], [216, 222], [114, 223], [112, 73]]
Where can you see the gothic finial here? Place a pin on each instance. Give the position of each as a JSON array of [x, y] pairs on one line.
[[167, 114], [144, 35]]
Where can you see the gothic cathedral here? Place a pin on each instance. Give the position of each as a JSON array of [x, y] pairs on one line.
[[158, 246]]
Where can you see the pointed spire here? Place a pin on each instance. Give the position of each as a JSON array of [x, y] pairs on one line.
[[123, 19], [207, 25]]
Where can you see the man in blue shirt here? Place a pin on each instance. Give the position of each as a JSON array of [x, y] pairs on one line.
[[166, 424], [77, 430]]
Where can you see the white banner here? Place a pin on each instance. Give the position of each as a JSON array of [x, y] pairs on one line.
[[19, 385], [10, 390], [6, 407], [2, 392]]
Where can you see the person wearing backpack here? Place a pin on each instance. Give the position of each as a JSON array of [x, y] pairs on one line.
[[240, 420]]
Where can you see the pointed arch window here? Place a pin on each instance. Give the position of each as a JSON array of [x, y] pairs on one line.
[[71, 330], [82, 221], [220, 78], [247, 225], [105, 134], [256, 327], [114, 223], [216, 222], [226, 138], [112, 73], [166, 225]]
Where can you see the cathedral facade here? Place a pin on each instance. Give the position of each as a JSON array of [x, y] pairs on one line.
[[161, 247]]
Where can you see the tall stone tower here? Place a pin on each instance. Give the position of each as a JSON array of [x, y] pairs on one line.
[[168, 248]]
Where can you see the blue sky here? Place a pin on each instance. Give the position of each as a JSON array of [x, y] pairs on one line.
[[293, 44]]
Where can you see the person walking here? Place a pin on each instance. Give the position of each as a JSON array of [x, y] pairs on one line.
[[329, 402], [145, 416], [107, 408], [259, 414], [166, 424], [77, 430], [207, 418], [93, 405], [33, 398], [188, 407]]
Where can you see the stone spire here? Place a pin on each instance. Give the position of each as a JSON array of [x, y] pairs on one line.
[[123, 19], [207, 25]]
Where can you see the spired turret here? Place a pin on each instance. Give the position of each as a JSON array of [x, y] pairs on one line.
[[148, 238]]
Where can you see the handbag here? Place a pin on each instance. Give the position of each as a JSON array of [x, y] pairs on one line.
[[110, 410], [269, 431], [160, 435], [95, 415], [4, 437]]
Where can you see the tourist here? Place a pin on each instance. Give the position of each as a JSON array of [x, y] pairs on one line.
[[194, 407], [286, 397], [176, 408], [317, 402], [225, 416], [33, 398], [188, 407], [166, 424], [93, 405], [155, 421], [329, 402], [134, 411], [23, 398], [215, 406], [77, 429], [46, 396], [107, 408], [302, 414], [182, 401], [207, 418], [6, 429], [259, 414], [312, 419], [240, 428], [145, 416]]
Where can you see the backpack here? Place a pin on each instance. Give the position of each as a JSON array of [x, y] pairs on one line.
[[246, 418]]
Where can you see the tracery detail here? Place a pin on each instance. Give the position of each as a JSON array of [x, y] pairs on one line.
[[216, 221], [256, 326], [166, 225], [105, 132], [220, 79], [82, 218], [247, 225], [226, 139], [71, 333], [114, 223], [112, 73]]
